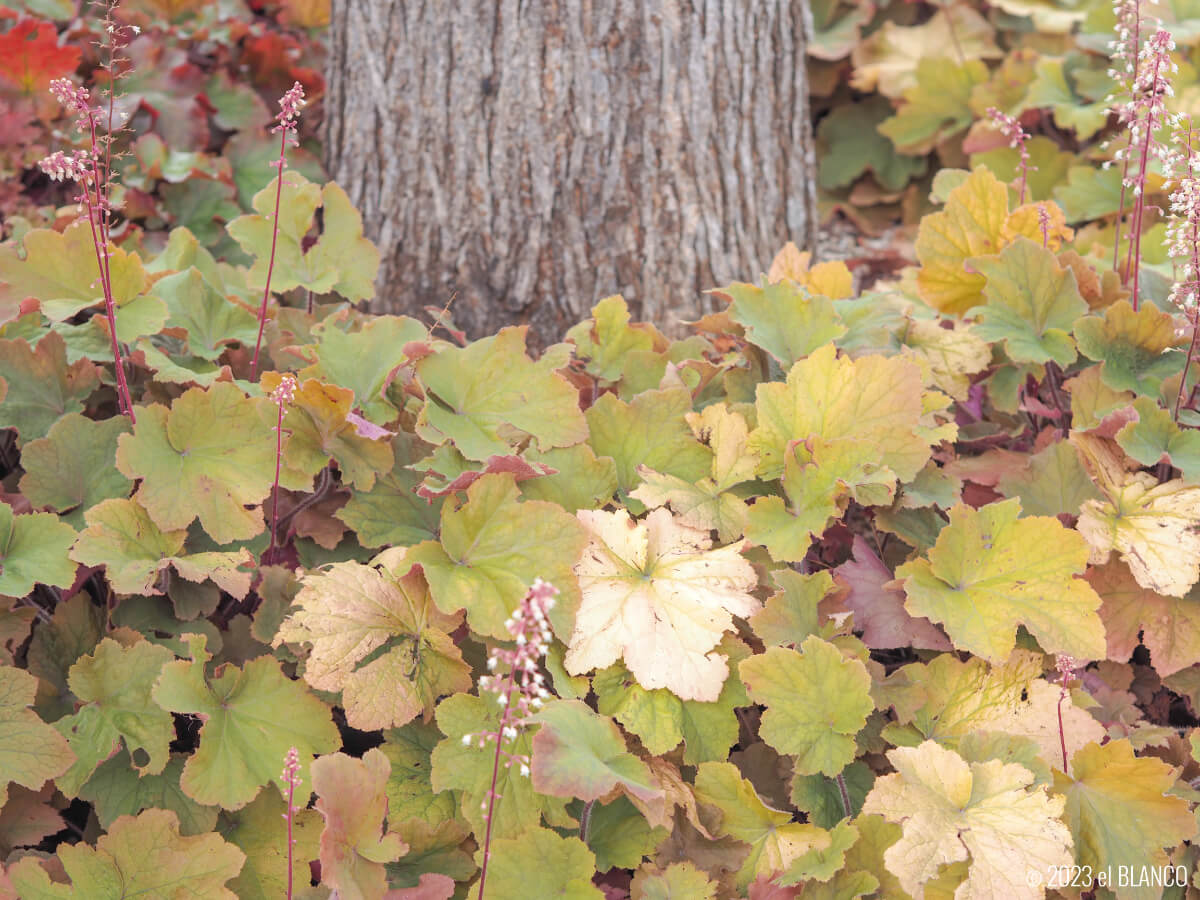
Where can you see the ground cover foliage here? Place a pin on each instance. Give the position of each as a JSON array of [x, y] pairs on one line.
[[854, 593]]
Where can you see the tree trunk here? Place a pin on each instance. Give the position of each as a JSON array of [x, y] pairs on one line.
[[530, 158]]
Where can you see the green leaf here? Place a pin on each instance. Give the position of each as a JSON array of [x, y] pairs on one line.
[[73, 468], [1121, 812], [252, 716], [1155, 438], [355, 843], [707, 504], [775, 840], [30, 750], [33, 549], [1131, 345], [582, 480], [783, 318], [210, 456], [433, 849], [42, 388], [989, 573], [123, 538], [113, 683], [821, 863], [490, 396], [410, 794], [211, 320], [563, 867], [820, 478], [76, 627], [493, 547], [820, 735], [391, 513], [143, 856], [678, 881], [1032, 302], [260, 830], [649, 431], [620, 836], [605, 341], [364, 360], [1052, 482], [378, 640], [116, 789], [60, 271], [854, 147], [820, 797], [342, 260], [937, 107], [661, 719], [791, 615], [1071, 111], [577, 753], [468, 769]]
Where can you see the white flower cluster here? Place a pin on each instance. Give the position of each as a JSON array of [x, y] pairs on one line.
[[1183, 229], [522, 691]]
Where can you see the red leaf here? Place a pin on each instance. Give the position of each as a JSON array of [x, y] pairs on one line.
[[31, 58]]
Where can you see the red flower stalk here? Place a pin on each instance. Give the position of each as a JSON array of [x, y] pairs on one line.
[[521, 692], [290, 105], [1017, 136], [91, 171]]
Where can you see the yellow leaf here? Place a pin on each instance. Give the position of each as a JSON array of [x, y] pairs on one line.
[[878, 400], [985, 814], [656, 596], [829, 279], [1026, 221], [952, 355], [887, 60], [972, 224], [1152, 526]]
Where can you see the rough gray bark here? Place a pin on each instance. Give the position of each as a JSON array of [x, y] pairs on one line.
[[530, 158]]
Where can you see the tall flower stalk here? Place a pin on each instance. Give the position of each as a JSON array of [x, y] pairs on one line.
[[290, 105], [1146, 113], [1124, 70], [91, 170], [282, 397], [1017, 136], [291, 781], [520, 692], [1183, 242]]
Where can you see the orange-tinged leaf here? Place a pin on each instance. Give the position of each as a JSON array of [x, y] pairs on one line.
[[656, 596], [318, 428], [352, 796], [30, 56], [972, 224], [983, 814], [379, 640], [1121, 811], [830, 279], [41, 386], [1131, 345], [1168, 626], [990, 572]]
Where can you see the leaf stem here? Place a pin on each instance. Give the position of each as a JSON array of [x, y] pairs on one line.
[[487, 839], [262, 312], [844, 791]]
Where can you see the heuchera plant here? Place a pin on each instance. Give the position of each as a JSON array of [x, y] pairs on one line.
[[884, 592]]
